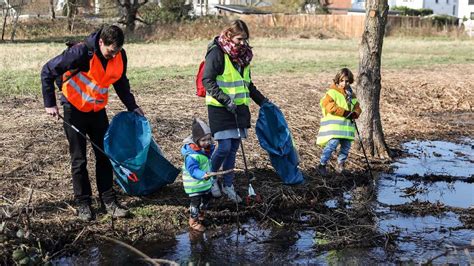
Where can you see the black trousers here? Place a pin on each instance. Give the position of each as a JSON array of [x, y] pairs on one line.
[[93, 124], [199, 203]]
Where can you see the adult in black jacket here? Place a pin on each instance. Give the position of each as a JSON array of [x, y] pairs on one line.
[[229, 87], [88, 69]]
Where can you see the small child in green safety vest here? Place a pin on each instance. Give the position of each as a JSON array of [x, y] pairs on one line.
[[339, 107], [197, 150]]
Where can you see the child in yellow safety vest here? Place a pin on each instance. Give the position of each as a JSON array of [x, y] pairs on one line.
[[339, 107], [197, 150]]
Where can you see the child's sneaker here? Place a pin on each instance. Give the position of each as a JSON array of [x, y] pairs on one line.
[[340, 168], [230, 192], [215, 190]]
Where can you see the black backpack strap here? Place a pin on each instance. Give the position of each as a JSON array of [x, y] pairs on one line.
[[90, 54]]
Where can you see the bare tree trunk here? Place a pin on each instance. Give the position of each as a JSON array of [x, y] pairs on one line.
[[202, 2], [5, 15], [130, 8], [369, 79], [70, 13], [51, 9], [14, 25], [15, 20]]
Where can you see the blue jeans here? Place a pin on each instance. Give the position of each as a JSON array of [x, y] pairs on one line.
[[224, 156], [331, 146]]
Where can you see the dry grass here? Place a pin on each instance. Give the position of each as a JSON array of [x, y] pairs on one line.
[[424, 102], [21, 63]]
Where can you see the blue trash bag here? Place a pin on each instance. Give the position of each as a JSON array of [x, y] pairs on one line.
[[275, 137], [129, 142]]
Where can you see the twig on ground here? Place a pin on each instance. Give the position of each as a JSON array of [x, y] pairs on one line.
[[79, 235]]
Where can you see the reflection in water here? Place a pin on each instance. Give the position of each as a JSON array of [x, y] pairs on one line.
[[392, 190], [438, 158], [420, 238]]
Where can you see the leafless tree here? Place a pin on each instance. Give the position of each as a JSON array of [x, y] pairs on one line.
[[5, 16], [130, 12], [70, 10], [51, 9], [369, 78]]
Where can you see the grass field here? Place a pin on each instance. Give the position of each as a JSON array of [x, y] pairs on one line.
[[20, 64], [427, 94]]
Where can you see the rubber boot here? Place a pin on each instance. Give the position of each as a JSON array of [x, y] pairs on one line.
[[195, 225]]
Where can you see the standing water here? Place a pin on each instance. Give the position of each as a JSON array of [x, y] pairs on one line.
[[436, 236]]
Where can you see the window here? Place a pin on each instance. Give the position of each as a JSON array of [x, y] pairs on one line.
[[471, 2], [447, 1], [436, 1], [472, 15], [454, 10]]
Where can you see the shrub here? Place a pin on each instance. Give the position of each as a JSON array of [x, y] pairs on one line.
[[168, 11], [413, 12], [174, 10]]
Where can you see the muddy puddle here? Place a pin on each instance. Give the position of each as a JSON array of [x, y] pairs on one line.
[[435, 236]]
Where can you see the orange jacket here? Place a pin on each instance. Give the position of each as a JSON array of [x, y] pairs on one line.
[[88, 91], [332, 108]]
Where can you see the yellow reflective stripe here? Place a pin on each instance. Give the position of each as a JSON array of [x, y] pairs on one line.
[[84, 96], [92, 85]]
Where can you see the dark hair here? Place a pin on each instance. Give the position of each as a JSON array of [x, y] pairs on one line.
[[112, 35], [344, 72], [237, 27]]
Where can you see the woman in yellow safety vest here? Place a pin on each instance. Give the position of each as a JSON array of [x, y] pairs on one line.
[[229, 89], [339, 107]]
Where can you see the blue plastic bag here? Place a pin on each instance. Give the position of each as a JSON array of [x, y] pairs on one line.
[[274, 136], [129, 142]]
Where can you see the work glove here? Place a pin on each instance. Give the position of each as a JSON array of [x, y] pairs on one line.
[[231, 107], [350, 115]]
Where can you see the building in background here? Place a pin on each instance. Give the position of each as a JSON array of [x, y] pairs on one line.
[[466, 10], [439, 7], [208, 7]]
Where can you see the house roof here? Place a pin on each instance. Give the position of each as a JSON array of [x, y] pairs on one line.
[[358, 10], [241, 9]]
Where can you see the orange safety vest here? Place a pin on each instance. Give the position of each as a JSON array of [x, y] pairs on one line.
[[88, 91]]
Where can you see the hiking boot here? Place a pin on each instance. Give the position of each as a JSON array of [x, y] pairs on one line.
[[215, 190], [194, 224], [84, 212], [230, 192], [340, 168], [322, 169], [114, 209]]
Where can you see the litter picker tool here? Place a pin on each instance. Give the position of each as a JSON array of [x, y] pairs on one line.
[[363, 150], [251, 192], [349, 102], [130, 175]]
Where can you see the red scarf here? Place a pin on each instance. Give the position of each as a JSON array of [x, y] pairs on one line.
[[242, 55]]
